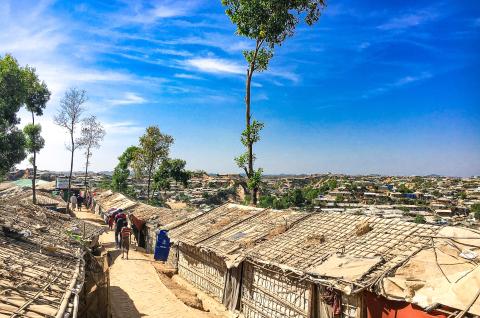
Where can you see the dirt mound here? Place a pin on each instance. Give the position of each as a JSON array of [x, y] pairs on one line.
[[186, 296]]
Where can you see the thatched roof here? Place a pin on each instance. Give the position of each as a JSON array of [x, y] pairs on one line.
[[211, 223], [344, 250], [39, 251], [234, 242]]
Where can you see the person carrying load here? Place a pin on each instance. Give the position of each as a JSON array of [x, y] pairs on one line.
[[125, 234]]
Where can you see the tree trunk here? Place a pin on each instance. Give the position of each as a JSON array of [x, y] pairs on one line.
[[148, 182], [86, 168], [248, 118], [34, 177], [71, 170]]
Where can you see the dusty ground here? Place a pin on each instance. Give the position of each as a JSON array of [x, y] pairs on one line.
[[136, 289]]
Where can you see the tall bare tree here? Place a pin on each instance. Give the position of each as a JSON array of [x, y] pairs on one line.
[[69, 116], [91, 134]]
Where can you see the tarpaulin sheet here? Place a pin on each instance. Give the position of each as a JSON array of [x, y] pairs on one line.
[[441, 274]]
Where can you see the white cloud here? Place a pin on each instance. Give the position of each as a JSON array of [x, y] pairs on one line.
[[215, 65], [187, 76], [174, 52], [408, 21], [129, 98]]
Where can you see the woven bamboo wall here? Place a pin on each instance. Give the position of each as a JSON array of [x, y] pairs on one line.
[[173, 257], [267, 293], [202, 270]]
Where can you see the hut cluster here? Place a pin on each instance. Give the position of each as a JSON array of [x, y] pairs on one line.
[[270, 263], [43, 266]]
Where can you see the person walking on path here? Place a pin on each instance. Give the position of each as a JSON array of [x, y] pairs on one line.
[[120, 222], [79, 202], [73, 201]]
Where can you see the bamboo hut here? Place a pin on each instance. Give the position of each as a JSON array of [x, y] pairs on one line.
[[211, 247], [325, 265], [42, 267]]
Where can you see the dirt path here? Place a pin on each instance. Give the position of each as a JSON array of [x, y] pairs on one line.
[[135, 288]]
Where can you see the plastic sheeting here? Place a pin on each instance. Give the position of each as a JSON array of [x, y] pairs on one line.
[[441, 274]]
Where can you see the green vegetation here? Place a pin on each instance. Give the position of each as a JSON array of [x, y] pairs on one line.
[[170, 169], [19, 86], [268, 23], [152, 151], [404, 189], [328, 185], [294, 198], [420, 219], [122, 170], [476, 211]]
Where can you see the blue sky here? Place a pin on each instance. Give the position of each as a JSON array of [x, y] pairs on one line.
[[388, 87]]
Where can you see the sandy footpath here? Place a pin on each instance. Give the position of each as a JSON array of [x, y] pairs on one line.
[[135, 288]]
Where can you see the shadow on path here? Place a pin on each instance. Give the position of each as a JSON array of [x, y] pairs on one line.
[[122, 304]]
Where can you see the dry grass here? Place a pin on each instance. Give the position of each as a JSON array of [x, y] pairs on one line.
[[314, 240], [277, 231], [362, 228]]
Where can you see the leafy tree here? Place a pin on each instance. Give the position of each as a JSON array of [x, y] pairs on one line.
[[18, 87], [91, 134], [36, 98], [170, 169], [295, 197], [161, 178], [122, 170], [154, 148], [69, 117], [268, 23], [178, 171], [311, 194], [34, 142]]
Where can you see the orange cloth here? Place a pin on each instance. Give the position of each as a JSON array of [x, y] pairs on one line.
[[381, 307], [126, 231]]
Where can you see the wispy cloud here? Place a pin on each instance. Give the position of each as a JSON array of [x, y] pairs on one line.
[[408, 20], [397, 84], [229, 44], [144, 14], [129, 98], [173, 52], [187, 76]]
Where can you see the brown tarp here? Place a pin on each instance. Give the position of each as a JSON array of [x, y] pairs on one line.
[[231, 295]]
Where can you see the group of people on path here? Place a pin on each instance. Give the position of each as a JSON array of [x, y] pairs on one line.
[[118, 220], [77, 200]]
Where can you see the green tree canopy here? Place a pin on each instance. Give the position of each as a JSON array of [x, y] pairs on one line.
[[153, 149], [122, 170], [34, 140], [19, 86], [171, 169]]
